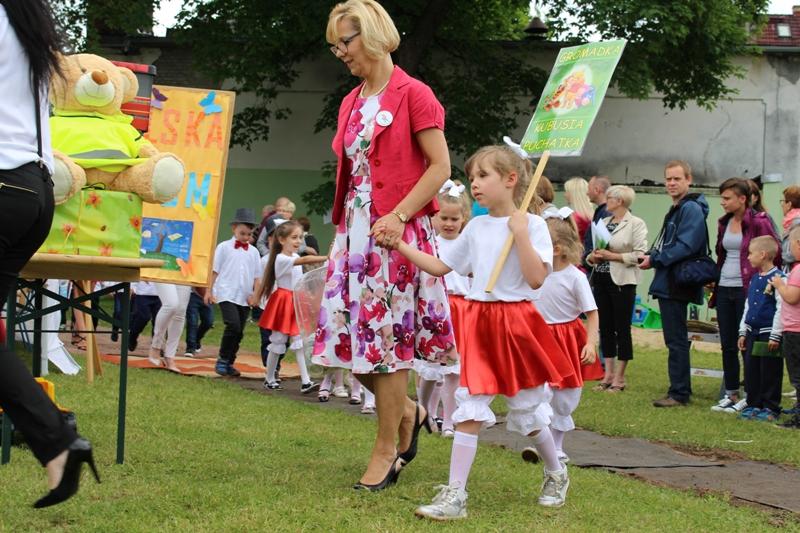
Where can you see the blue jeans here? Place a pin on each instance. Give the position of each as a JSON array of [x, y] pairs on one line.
[[199, 319], [676, 337], [730, 306]]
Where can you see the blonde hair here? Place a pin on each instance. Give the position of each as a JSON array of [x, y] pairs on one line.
[[578, 189], [377, 31], [687, 169], [462, 201], [564, 234], [290, 207], [765, 244], [504, 161], [623, 193]]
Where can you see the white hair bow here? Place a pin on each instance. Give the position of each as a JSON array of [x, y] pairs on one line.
[[562, 213], [517, 148], [452, 189]]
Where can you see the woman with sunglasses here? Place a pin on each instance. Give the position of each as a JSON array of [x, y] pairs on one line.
[[379, 311]]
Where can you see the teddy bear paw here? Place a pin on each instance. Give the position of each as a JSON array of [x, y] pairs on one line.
[[167, 178], [65, 184]]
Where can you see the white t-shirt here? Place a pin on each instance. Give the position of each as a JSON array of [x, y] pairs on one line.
[[144, 288], [455, 282], [564, 295], [286, 273], [477, 248], [237, 270], [18, 144]]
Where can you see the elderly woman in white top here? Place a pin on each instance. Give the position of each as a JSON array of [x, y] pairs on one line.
[[614, 282]]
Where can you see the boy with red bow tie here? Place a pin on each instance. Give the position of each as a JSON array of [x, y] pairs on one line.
[[235, 273]]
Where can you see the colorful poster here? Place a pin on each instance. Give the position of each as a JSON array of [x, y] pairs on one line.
[[571, 98], [195, 124]]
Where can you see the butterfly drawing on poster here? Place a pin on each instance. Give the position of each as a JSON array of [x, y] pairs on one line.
[[158, 99], [209, 107]]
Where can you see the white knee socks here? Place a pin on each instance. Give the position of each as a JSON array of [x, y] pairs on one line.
[[558, 439], [543, 442], [465, 446], [301, 365], [272, 364]]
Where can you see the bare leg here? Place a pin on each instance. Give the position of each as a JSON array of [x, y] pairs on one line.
[[391, 401], [619, 374], [406, 429]]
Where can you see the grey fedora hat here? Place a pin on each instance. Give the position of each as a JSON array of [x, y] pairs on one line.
[[244, 215]]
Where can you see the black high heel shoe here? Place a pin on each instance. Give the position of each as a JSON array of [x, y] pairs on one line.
[[79, 452], [388, 481], [409, 455]]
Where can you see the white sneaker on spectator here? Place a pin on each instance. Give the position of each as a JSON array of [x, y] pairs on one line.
[[728, 405], [340, 392]]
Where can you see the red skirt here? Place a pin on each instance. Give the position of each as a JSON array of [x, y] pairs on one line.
[[572, 338], [508, 347], [279, 313], [458, 314]]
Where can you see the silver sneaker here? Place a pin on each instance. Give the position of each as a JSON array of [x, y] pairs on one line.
[[554, 488], [449, 504]]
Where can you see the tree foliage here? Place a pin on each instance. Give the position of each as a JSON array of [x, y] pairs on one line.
[[473, 53], [682, 49]]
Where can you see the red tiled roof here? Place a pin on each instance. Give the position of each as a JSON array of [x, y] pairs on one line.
[[769, 35]]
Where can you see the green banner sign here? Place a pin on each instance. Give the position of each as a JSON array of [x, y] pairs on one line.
[[571, 98]]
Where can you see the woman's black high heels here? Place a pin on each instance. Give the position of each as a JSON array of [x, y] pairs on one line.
[[79, 452], [388, 481], [409, 455]]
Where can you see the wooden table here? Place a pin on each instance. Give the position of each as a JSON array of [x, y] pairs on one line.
[[83, 269]]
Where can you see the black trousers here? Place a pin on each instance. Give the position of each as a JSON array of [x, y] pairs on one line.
[[615, 308], [763, 376], [25, 217], [791, 353], [235, 317]]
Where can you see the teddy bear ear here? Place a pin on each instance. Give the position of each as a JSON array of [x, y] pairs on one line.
[[130, 84]]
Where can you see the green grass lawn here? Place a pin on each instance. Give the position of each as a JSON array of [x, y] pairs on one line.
[[630, 413], [207, 455]]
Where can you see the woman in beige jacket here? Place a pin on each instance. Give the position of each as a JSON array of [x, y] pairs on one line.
[[614, 282]]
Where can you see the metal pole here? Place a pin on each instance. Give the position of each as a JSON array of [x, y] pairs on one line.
[[123, 370]]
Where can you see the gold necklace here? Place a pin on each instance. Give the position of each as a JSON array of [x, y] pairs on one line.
[[379, 91]]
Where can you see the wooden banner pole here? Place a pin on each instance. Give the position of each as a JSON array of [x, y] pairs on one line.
[[498, 266]]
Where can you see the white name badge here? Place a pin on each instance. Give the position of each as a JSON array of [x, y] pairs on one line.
[[384, 118]]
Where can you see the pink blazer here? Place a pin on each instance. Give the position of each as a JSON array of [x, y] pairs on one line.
[[396, 159]]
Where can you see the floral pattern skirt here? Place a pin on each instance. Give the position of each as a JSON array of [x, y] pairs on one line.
[[379, 312]]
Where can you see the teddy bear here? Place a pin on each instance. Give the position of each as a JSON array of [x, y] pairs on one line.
[[95, 143]]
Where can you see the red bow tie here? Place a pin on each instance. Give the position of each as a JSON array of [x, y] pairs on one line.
[[240, 244]]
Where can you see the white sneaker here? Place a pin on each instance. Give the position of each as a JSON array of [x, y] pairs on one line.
[[368, 409], [727, 405], [563, 457], [340, 392], [554, 488], [738, 407], [449, 504]]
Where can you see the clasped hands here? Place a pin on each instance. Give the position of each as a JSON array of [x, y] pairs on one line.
[[388, 231]]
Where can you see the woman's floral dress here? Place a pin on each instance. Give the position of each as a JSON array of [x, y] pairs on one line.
[[379, 311]]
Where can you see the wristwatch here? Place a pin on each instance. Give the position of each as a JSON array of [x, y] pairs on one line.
[[403, 217]]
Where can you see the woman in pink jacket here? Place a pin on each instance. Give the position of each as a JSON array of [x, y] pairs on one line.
[[379, 311]]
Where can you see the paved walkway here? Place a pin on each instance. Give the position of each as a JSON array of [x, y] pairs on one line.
[[760, 483]]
